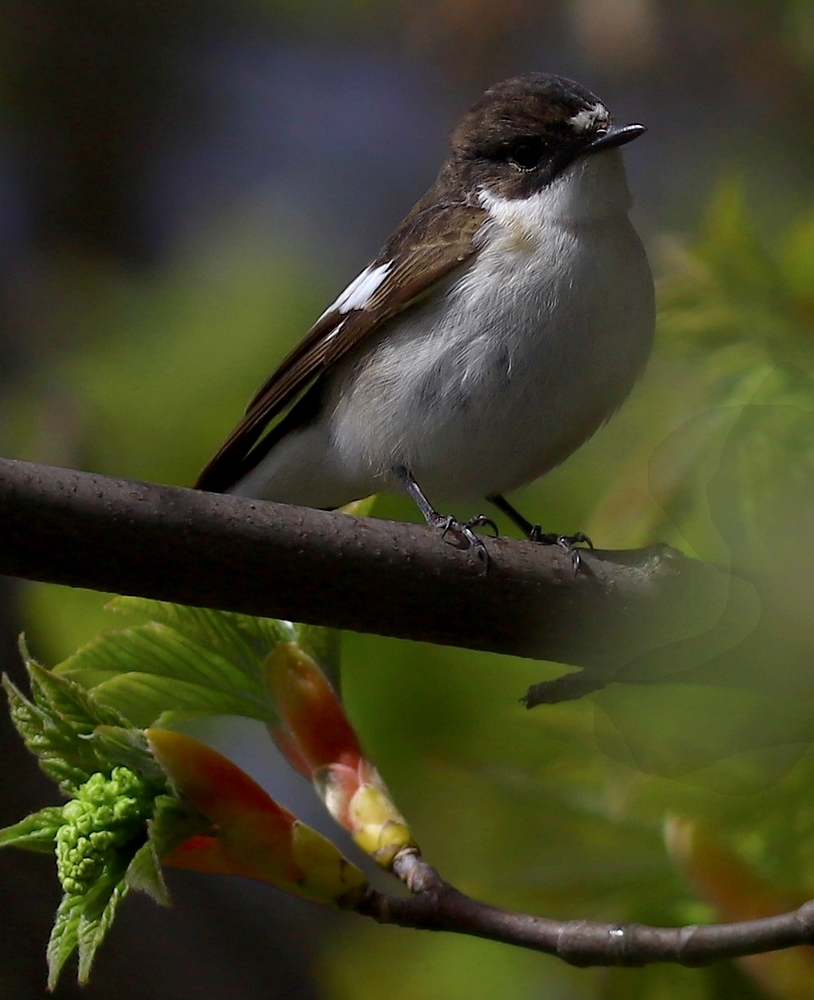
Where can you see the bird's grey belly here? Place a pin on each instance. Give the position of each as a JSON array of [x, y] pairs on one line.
[[483, 389], [481, 399]]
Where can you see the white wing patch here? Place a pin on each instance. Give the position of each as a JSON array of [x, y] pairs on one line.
[[589, 118], [361, 289]]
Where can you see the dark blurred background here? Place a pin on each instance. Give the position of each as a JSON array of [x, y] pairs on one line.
[[183, 186]]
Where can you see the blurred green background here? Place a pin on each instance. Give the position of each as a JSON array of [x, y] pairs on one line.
[[183, 186]]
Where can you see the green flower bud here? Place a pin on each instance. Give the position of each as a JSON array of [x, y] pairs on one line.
[[106, 814]]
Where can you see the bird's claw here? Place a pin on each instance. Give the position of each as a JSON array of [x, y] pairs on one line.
[[481, 521], [463, 530], [568, 543]]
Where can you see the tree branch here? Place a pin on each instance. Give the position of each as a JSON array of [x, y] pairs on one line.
[[363, 574], [436, 905]]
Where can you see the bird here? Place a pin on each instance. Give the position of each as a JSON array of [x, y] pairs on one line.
[[502, 323]]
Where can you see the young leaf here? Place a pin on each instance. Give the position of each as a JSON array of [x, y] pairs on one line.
[[92, 928], [61, 697], [244, 640], [170, 826], [128, 747], [36, 832], [240, 638], [62, 755], [203, 663], [64, 936], [144, 874], [149, 697]]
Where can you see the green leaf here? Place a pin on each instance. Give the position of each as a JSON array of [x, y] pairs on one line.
[[155, 648], [760, 494], [36, 832], [206, 662], [29, 721], [97, 898], [126, 746], [56, 723], [170, 826], [187, 661], [62, 754], [144, 874], [242, 639], [62, 697], [64, 936], [149, 698], [93, 926]]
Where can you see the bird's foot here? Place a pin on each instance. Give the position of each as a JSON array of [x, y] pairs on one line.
[[463, 531], [446, 523], [568, 543]]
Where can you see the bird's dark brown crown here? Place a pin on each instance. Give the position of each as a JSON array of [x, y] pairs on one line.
[[522, 133]]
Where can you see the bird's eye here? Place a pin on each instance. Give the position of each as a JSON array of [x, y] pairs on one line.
[[526, 153]]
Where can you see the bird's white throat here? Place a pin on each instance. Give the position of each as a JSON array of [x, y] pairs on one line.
[[592, 189]]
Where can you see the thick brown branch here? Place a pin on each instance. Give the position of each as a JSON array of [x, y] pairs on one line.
[[435, 905], [362, 574]]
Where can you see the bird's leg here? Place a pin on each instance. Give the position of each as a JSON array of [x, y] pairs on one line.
[[446, 523], [534, 532]]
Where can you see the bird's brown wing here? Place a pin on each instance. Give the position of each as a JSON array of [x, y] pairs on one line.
[[429, 244]]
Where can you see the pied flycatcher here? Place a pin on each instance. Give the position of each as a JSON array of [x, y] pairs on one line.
[[502, 323]]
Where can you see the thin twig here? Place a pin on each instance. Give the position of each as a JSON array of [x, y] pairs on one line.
[[436, 905]]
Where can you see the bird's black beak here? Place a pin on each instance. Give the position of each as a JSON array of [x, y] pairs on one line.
[[616, 135]]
